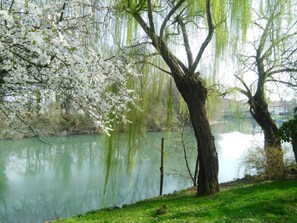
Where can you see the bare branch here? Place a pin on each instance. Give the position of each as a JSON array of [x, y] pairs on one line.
[[289, 84], [207, 39], [240, 90], [167, 18], [154, 65], [150, 16], [288, 70], [248, 93], [172, 61], [62, 13], [186, 41], [11, 5]]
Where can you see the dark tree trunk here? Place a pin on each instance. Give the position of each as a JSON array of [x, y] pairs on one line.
[[194, 94], [272, 142], [259, 110]]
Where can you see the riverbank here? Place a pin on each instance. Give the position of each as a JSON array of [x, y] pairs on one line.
[[274, 201]]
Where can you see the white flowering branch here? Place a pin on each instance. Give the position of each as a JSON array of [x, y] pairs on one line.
[[47, 48]]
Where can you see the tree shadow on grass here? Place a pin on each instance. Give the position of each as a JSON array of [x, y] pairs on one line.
[[256, 203]]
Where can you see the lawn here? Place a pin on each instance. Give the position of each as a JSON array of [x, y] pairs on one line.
[[264, 202]]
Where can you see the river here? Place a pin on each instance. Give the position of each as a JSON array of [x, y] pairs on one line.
[[72, 175]]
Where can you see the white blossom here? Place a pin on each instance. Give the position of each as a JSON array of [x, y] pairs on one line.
[[44, 48]]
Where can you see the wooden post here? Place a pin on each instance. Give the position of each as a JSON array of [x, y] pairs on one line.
[[161, 168]]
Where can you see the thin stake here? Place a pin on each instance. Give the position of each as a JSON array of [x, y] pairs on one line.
[[161, 168]]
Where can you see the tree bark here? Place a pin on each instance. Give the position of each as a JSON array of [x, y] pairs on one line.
[[272, 142], [259, 110], [194, 94]]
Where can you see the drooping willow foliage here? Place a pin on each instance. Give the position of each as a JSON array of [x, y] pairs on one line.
[[232, 20]]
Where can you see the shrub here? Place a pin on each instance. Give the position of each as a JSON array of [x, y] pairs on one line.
[[255, 162]]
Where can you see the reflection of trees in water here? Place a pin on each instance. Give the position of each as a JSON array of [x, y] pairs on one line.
[[3, 184], [35, 159], [54, 165], [246, 126], [126, 184], [3, 178], [72, 169], [72, 155], [63, 162], [60, 155], [131, 175]]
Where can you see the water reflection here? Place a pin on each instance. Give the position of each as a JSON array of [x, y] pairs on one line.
[[66, 177]]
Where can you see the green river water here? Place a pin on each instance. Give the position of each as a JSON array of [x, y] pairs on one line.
[[69, 176]]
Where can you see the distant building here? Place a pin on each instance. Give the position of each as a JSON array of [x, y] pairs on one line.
[[281, 108], [240, 108]]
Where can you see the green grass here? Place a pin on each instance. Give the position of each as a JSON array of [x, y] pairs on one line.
[[264, 202]]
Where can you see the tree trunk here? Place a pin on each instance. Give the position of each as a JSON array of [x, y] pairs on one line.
[[272, 142], [194, 94]]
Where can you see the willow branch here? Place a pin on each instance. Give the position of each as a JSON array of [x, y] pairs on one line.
[[247, 91], [288, 70], [172, 61], [154, 65], [186, 41], [150, 16], [167, 18], [289, 84], [207, 39], [266, 30], [240, 90], [276, 43]]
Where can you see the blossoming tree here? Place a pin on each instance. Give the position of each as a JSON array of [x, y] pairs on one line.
[[49, 47]]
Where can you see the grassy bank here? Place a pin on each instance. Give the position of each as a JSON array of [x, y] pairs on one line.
[[264, 202]]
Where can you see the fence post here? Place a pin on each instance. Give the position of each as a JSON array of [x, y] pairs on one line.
[[162, 167]]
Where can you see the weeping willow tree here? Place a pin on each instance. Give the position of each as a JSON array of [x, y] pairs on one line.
[[179, 33], [271, 59]]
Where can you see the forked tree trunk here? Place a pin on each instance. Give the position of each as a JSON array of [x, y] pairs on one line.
[[272, 142], [194, 94], [191, 89]]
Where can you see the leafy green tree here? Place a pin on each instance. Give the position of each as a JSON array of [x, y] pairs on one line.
[[288, 132], [188, 26], [186, 78]]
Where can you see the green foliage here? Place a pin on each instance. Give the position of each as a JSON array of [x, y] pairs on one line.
[[261, 203], [195, 7], [241, 16], [221, 34], [289, 128]]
